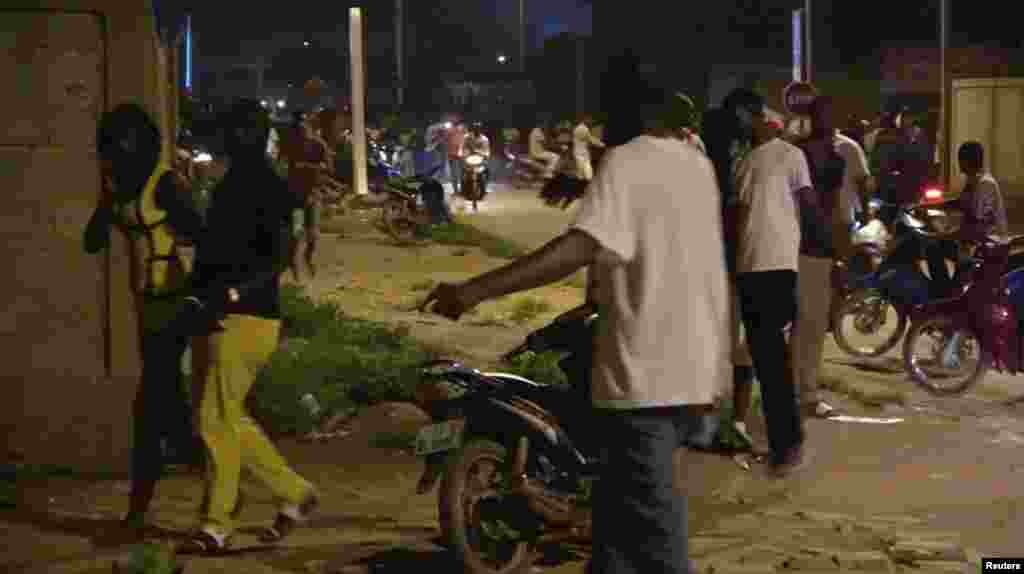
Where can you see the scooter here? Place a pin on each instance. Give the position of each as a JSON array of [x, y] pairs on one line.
[[475, 176], [976, 329], [515, 457]]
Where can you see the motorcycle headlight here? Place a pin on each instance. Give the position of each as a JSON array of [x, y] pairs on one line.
[[475, 160], [203, 158]]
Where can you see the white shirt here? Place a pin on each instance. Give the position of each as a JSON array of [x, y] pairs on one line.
[[664, 338], [536, 145], [273, 141], [582, 139], [767, 182], [856, 170]]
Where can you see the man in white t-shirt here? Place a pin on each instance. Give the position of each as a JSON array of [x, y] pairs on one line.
[[854, 191], [582, 139], [663, 344], [539, 152], [769, 180]]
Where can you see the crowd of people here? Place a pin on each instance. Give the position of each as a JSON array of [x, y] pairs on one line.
[[652, 229], [708, 257]]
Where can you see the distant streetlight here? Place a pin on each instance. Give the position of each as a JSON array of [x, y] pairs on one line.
[[502, 59], [306, 43], [280, 104], [263, 103]]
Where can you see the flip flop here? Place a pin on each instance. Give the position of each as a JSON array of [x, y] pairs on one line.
[[204, 543], [289, 518]]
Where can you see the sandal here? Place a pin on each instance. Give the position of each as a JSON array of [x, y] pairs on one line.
[[290, 517], [205, 543]]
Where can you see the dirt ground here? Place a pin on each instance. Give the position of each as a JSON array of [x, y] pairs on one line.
[[947, 478]]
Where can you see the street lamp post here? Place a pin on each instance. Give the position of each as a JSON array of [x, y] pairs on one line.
[[945, 109], [808, 40], [522, 35]]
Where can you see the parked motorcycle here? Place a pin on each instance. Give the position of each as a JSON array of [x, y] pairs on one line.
[[885, 281], [515, 457], [475, 176], [954, 341], [410, 202]]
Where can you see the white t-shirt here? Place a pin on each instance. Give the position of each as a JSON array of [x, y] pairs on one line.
[[767, 182], [664, 338], [856, 170], [536, 147]]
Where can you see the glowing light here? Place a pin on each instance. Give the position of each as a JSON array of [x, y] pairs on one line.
[[280, 104], [502, 59], [204, 158], [188, 51], [306, 43], [933, 194], [475, 160]]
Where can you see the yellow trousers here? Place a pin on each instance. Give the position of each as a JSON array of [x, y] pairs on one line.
[[226, 364]]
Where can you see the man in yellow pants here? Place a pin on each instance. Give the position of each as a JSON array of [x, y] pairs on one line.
[[236, 286]]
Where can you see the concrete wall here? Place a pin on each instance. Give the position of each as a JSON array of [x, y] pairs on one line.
[[68, 329], [991, 111]]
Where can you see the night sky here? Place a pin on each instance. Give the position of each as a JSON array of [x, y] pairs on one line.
[[851, 30]]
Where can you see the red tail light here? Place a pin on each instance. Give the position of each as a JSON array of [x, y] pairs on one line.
[[932, 194]]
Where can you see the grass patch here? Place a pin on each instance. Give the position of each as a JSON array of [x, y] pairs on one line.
[[394, 441], [871, 397], [424, 285], [464, 235], [528, 309], [344, 362]]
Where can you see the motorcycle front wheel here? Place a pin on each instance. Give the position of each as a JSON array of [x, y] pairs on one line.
[[944, 359], [482, 522], [859, 324]]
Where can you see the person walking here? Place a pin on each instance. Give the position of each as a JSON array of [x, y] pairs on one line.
[[143, 200], [538, 150], [770, 181], [661, 355], [582, 140], [824, 219], [237, 302], [727, 135], [308, 158]]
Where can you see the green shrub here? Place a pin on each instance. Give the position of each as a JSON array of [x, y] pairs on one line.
[[342, 361], [528, 309], [540, 367]]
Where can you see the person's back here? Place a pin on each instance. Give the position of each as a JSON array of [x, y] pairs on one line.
[[666, 341]]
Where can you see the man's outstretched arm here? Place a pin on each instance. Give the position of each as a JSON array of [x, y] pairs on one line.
[[556, 260]]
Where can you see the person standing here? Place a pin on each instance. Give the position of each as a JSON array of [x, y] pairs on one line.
[[456, 151], [538, 151], [662, 351], [236, 294], [582, 140], [143, 200], [770, 180], [824, 218]]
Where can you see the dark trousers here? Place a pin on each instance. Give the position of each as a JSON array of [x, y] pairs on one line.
[[456, 169], [768, 303], [937, 253], [161, 410], [639, 517]]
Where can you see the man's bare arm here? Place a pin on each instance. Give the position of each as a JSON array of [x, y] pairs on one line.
[[556, 260]]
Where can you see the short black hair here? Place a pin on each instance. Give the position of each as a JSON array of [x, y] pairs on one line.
[[744, 99], [127, 129], [972, 151]]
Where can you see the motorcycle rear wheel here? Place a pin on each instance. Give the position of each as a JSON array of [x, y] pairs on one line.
[[854, 306], [460, 514], [928, 374]]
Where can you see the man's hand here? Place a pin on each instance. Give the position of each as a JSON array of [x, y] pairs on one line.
[[448, 301]]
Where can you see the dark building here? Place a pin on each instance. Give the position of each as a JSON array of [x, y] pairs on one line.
[[566, 78]]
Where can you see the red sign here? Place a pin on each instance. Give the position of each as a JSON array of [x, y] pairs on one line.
[[798, 97]]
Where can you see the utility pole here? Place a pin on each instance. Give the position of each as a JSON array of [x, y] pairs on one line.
[[808, 40], [355, 38], [399, 52], [946, 109], [522, 36]]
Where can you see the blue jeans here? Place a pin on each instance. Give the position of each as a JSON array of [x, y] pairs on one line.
[[639, 517]]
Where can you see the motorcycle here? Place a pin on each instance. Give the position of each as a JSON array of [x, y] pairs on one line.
[[410, 202], [475, 176], [976, 329], [526, 171], [883, 279], [535, 444]]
